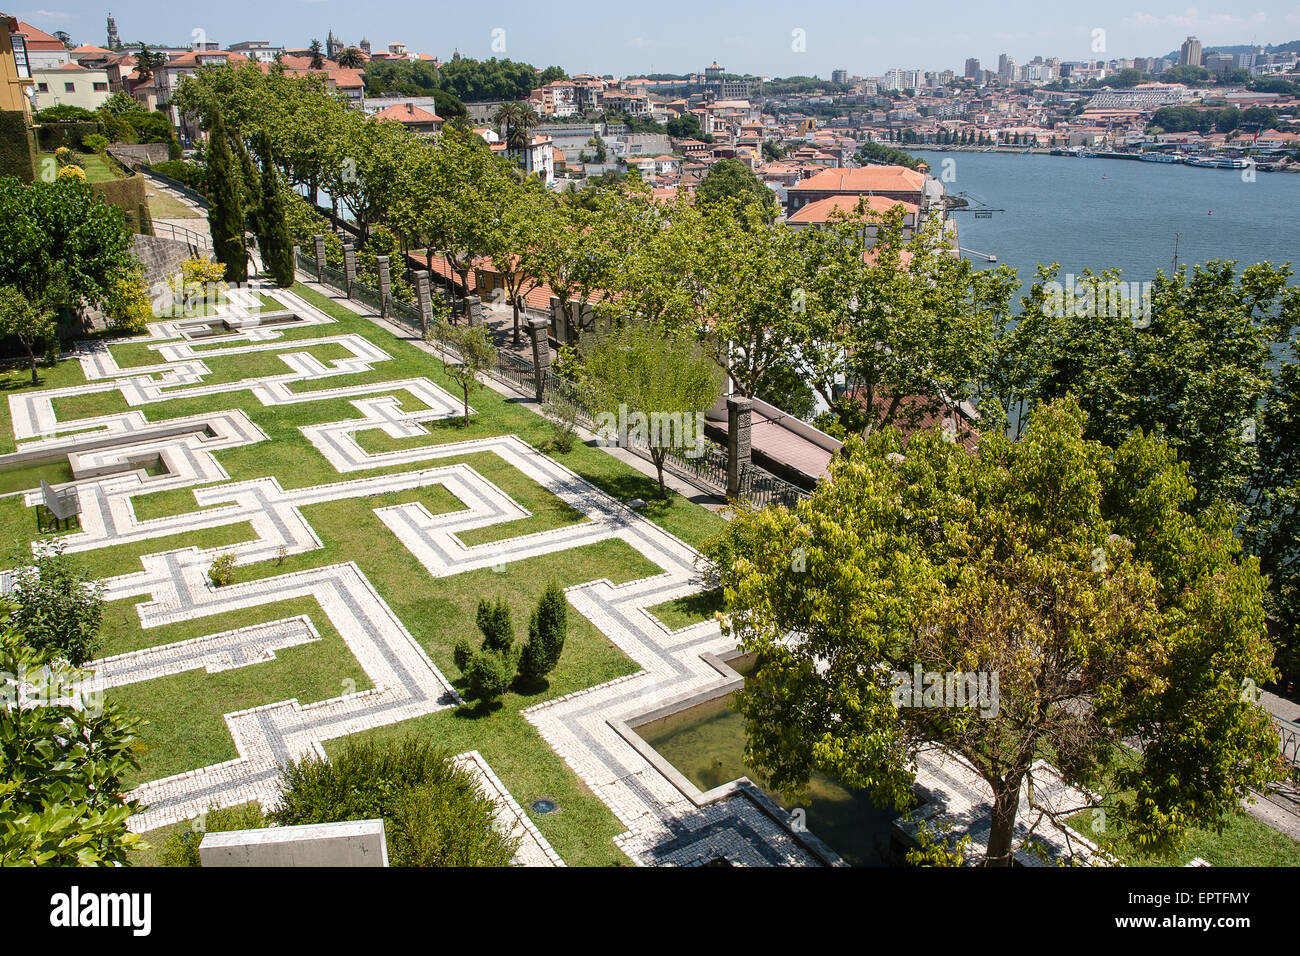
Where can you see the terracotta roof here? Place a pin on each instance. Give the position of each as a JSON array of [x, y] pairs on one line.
[[39, 39], [864, 179], [192, 58], [407, 113], [821, 210]]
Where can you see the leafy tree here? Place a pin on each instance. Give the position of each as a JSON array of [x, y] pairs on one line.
[[62, 764], [886, 155], [730, 179], [273, 239], [57, 606], [226, 216], [523, 212], [317, 55], [477, 356], [665, 377], [547, 628], [433, 810], [687, 126], [31, 326], [1072, 571], [61, 244], [494, 622]]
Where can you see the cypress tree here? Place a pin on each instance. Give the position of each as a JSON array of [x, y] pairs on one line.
[[226, 215], [273, 237], [546, 632]]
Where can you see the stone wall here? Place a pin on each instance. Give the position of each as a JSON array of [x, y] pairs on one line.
[[161, 257], [131, 155]]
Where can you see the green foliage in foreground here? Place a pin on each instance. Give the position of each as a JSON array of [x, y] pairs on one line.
[[433, 811], [61, 766]]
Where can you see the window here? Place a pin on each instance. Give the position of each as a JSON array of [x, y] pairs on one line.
[[19, 43], [101, 87], [70, 87], [42, 87]]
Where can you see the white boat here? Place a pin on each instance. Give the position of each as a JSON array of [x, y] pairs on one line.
[[1160, 158]]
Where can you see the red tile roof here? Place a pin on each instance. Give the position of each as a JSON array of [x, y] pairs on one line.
[[864, 179]]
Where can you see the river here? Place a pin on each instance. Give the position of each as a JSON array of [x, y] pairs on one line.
[[1106, 213]]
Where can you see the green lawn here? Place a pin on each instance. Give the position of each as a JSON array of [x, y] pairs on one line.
[[184, 713], [98, 168]]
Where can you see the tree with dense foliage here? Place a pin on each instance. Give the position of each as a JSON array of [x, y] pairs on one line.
[[316, 52], [491, 669], [64, 755], [351, 58], [731, 180], [61, 244], [664, 377], [547, 628], [273, 239], [226, 213], [1071, 571], [434, 812], [33, 327], [57, 606], [886, 155]]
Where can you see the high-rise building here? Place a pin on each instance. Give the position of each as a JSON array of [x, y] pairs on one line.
[[114, 41], [1219, 62], [1006, 68], [839, 76], [1190, 52], [972, 69]]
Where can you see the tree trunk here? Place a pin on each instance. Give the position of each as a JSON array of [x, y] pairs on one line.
[[32, 355], [657, 455], [1006, 800], [514, 303], [465, 390]]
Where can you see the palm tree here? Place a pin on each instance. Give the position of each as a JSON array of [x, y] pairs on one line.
[[507, 114], [317, 58], [351, 59]]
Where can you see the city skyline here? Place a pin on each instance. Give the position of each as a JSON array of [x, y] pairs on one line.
[[773, 39]]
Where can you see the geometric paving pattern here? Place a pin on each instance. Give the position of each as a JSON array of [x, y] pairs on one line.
[[662, 825]]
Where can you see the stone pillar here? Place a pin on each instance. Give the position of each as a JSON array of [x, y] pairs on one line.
[[385, 285], [537, 328], [739, 410], [424, 298], [350, 266], [474, 309], [320, 258]]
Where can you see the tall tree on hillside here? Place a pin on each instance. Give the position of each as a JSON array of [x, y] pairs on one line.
[[351, 59], [1075, 573], [317, 55], [273, 239], [226, 214], [730, 179]]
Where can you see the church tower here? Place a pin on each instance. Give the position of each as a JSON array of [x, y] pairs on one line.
[[114, 41]]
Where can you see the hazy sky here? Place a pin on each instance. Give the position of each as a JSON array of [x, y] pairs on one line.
[[766, 37]]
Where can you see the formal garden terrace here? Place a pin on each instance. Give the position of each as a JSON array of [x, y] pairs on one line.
[[294, 527], [323, 459]]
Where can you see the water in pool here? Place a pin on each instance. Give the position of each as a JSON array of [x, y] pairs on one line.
[[706, 744]]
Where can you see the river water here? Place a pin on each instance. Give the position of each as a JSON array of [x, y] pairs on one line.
[[1106, 213]]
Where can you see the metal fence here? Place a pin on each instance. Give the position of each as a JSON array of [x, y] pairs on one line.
[[1289, 737], [186, 191], [707, 468]]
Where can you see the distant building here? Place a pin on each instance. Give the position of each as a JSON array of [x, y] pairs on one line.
[[260, 50], [1190, 52], [840, 76], [972, 69], [71, 85], [114, 41]]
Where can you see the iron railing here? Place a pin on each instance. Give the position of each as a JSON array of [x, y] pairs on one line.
[[1289, 739]]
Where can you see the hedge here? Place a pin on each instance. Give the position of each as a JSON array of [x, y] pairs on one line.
[[17, 155], [50, 136]]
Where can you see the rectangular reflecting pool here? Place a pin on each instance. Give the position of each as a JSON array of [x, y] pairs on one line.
[[706, 743]]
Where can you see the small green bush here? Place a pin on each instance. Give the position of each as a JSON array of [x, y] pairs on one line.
[[222, 571], [94, 143], [181, 845], [433, 811], [490, 674], [547, 629]]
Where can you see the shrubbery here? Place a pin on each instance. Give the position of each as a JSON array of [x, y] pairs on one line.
[[433, 811], [497, 663], [222, 571], [181, 845]]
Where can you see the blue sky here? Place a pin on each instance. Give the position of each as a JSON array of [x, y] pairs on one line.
[[760, 37]]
